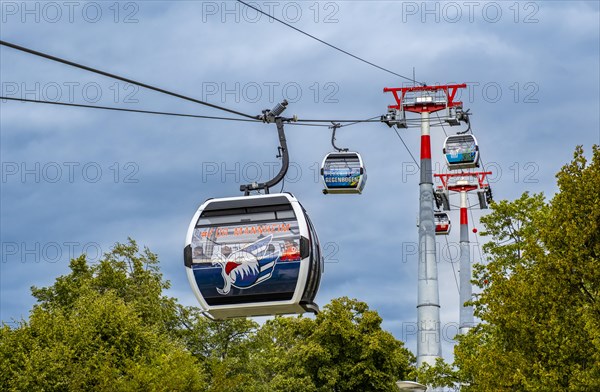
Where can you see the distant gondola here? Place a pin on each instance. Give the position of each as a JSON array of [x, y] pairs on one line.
[[253, 256], [343, 172], [442, 223], [461, 152]]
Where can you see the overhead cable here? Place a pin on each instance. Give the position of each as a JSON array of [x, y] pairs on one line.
[[407, 149], [126, 110], [328, 44], [123, 79]]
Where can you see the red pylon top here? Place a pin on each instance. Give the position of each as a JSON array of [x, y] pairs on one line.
[[424, 102], [466, 185]]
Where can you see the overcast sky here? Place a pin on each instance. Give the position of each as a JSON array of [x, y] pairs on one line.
[[78, 180]]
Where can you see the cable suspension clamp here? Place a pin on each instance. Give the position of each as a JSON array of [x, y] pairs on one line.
[[335, 126], [464, 116], [273, 116]]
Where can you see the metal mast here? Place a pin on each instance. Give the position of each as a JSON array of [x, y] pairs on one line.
[[463, 183], [428, 300], [466, 318], [425, 100]]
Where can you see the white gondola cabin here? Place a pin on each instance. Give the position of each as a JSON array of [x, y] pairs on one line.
[[461, 151], [253, 256], [442, 223], [343, 172]]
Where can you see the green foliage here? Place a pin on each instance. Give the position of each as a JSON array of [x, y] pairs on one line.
[[100, 343], [108, 326], [223, 348], [132, 276], [342, 349], [102, 327], [440, 375], [540, 299]]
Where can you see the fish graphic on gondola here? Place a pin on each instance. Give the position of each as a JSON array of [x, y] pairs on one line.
[[249, 266]]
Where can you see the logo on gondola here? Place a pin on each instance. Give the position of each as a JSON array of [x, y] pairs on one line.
[[342, 178], [248, 266]]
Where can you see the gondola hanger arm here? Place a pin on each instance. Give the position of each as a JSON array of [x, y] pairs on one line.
[[335, 126], [273, 116]]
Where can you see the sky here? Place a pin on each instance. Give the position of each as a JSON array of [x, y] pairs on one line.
[[79, 180]]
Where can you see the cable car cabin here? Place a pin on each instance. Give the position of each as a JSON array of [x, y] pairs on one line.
[[442, 223], [343, 172], [253, 256], [461, 151]]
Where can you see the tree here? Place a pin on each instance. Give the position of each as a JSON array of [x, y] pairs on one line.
[[540, 299], [132, 275], [342, 349], [108, 326], [101, 343], [102, 327], [223, 348]]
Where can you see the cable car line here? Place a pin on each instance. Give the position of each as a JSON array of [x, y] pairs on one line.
[[325, 122], [407, 149], [249, 118], [372, 119], [330, 45], [452, 263], [350, 122], [307, 125], [85, 106], [479, 249], [142, 111], [123, 79], [346, 123], [443, 128], [358, 122], [375, 119], [77, 105]]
